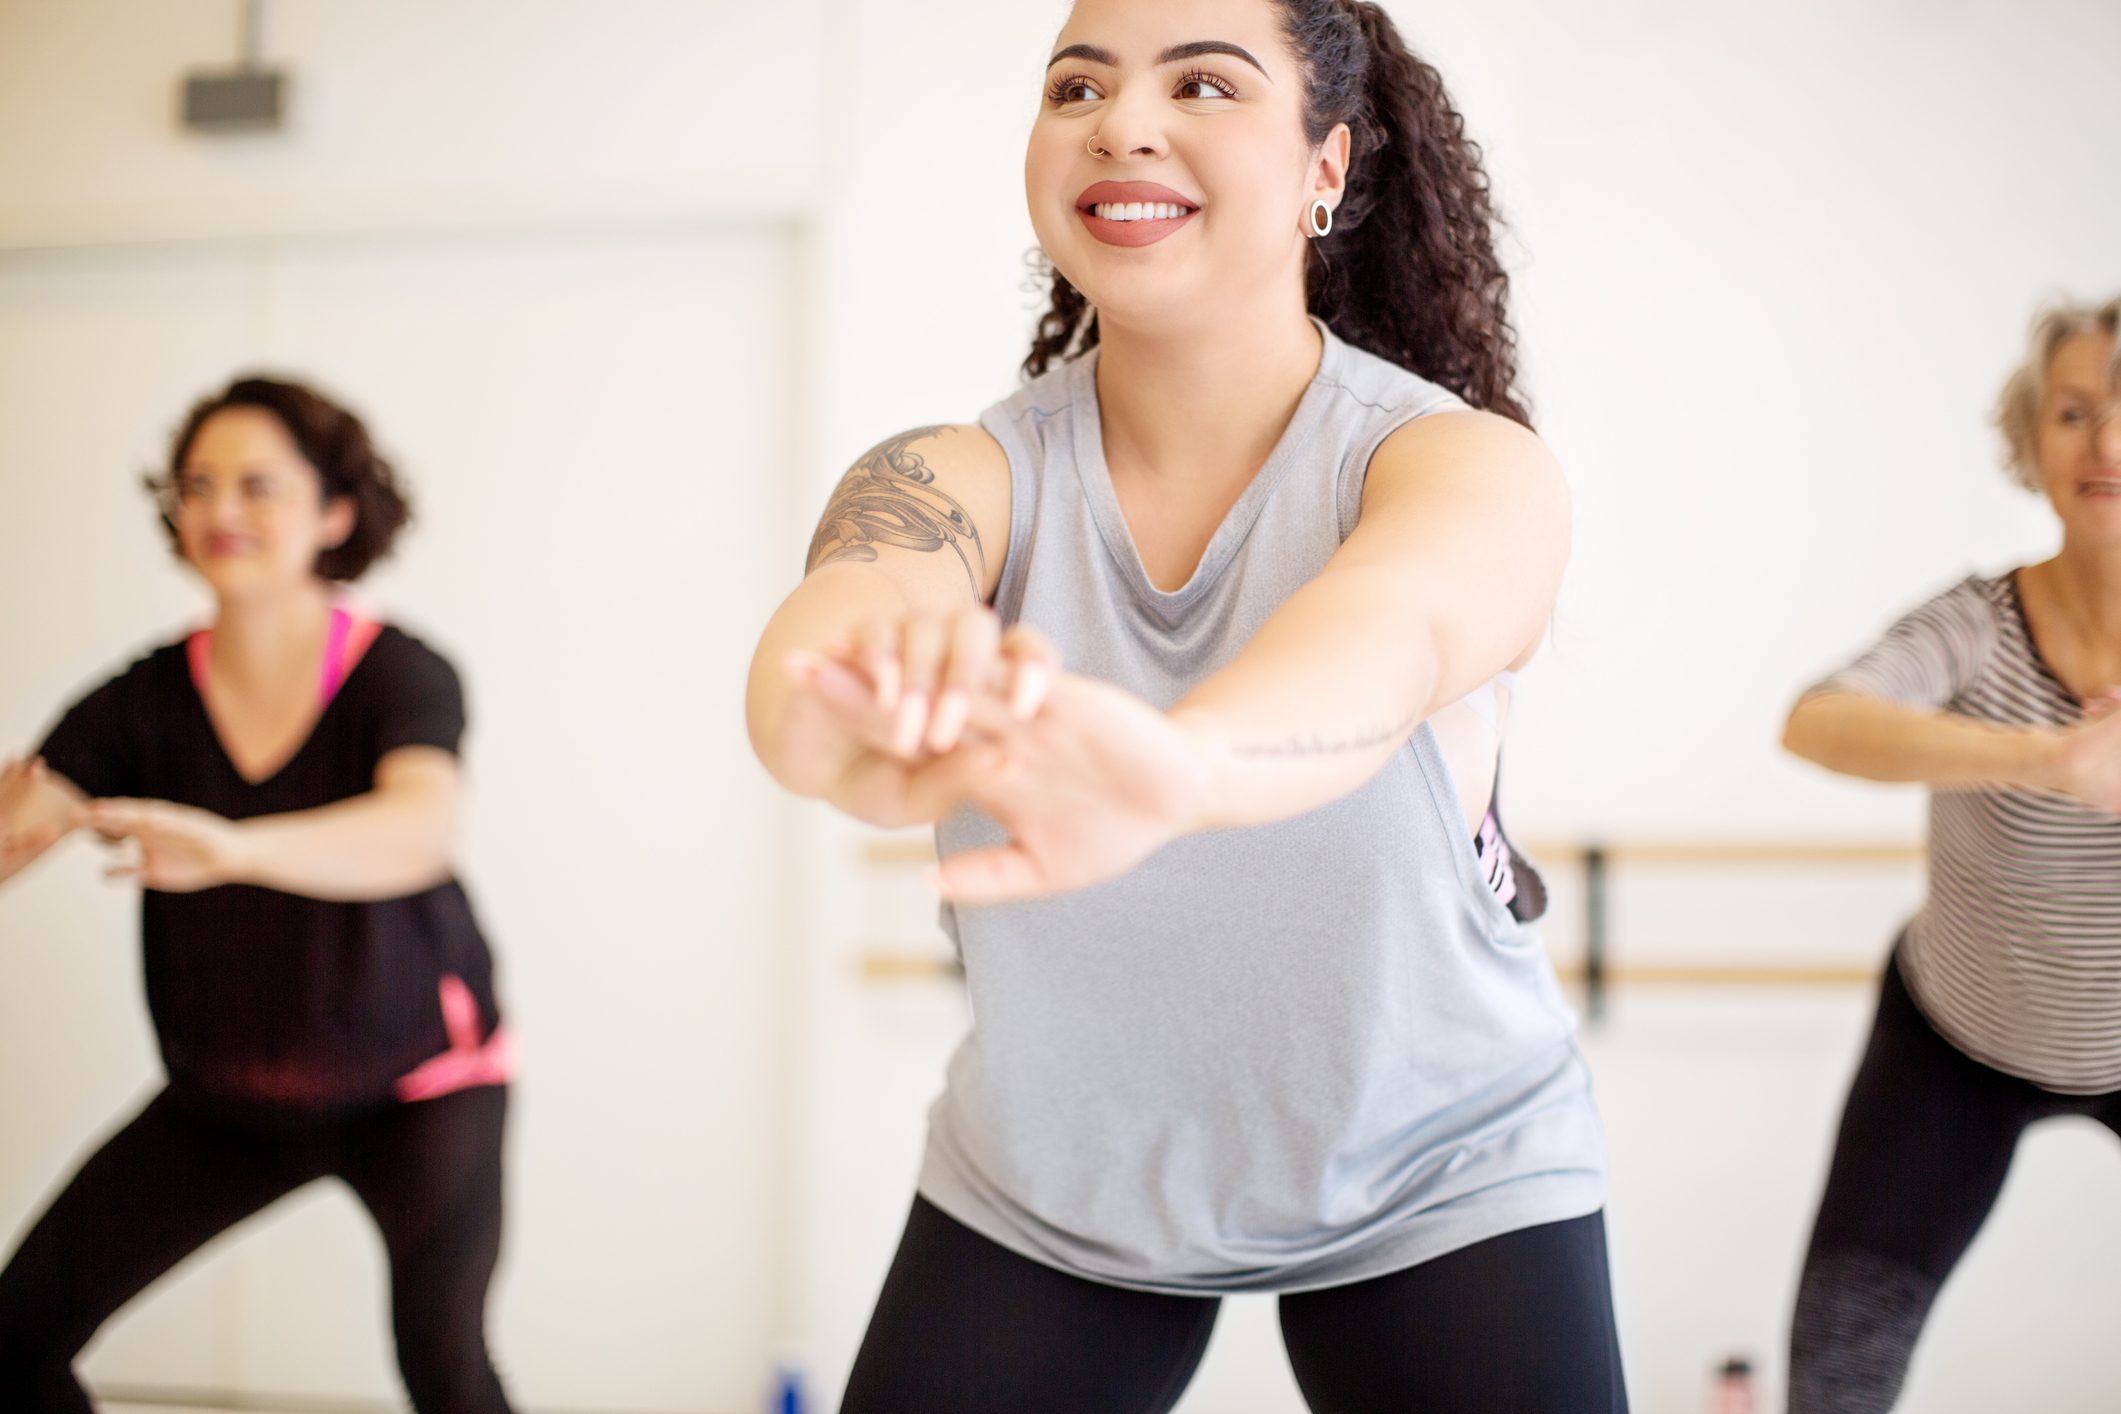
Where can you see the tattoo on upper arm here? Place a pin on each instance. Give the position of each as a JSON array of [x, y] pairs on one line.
[[1324, 746], [889, 497]]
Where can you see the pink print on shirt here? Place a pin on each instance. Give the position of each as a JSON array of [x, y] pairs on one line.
[[468, 1061]]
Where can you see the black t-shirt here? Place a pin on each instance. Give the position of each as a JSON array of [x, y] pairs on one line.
[[263, 999]]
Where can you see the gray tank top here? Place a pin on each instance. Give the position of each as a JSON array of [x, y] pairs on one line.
[[1289, 1056]]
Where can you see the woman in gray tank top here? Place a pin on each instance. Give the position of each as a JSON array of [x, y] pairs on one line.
[[1195, 652]]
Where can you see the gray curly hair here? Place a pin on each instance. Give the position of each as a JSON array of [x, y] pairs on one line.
[[2018, 410]]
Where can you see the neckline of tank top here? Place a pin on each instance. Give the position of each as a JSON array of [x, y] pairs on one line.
[[1237, 522]]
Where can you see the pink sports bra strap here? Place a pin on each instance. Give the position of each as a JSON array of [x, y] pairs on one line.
[[345, 641], [335, 654]]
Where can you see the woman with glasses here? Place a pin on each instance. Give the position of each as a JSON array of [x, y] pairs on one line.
[[284, 784]]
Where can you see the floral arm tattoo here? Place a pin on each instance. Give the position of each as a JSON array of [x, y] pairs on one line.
[[890, 498]]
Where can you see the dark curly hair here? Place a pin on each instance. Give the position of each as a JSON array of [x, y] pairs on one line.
[[1410, 271], [332, 440]]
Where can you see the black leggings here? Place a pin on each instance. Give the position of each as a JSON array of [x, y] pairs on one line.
[[1521, 1322], [165, 1184], [1925, 1143]]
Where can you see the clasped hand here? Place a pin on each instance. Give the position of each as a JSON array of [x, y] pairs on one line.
[[935, 712]]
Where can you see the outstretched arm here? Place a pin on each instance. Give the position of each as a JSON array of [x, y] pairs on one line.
[[37, 810], [1448, 579], [864, 678], [1876, 740], [394, 840]]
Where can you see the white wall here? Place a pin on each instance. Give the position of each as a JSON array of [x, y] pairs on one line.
[[553, 267], [485, 112]]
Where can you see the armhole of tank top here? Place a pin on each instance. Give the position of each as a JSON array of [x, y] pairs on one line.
[[1441, 789], [1355, 471], [1000, 424]]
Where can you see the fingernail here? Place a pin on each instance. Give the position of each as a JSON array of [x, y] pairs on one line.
[[1029, 684], [906, 730], [951, 710]]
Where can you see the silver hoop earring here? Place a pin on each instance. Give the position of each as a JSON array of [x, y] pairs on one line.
[[1321, 219]]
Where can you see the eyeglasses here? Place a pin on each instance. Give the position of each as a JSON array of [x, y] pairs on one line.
[[255, 491]]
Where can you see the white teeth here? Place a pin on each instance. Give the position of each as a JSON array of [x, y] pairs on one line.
[[1137, 210]]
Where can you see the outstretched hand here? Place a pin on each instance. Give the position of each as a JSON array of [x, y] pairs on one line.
[[178, 849], [891, 707], [1087, 778], [1101, 781], [34, 815], [2090, 758]]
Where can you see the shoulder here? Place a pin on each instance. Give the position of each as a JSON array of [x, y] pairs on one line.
[[942, 487], [1027, 421], [1961, 626], [1050, 392], [155, 673], [1392, 392], [1977, 604], [948, 470], [102, 725], [964, 452], [1477, 456], [405, 660]]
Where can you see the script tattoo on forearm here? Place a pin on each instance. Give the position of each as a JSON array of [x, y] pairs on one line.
[[1329, 746], [889, 497]]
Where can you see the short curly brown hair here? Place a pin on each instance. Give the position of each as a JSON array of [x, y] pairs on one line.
[[332, 440]]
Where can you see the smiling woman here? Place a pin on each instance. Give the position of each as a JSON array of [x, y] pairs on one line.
[[1211, 745], [287, 782], [2001, 1003]]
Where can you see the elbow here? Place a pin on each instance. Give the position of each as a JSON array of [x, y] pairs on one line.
[[1796, 732], [1793, 731], [762, 704], [432, 861], [430, 857], [1811, 731]]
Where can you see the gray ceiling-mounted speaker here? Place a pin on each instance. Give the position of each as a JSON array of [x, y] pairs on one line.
[[244, 99], [247, 98]]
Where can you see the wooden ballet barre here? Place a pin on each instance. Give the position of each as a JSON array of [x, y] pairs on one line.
[[910, 852], [881, 965], [1709, 852]]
